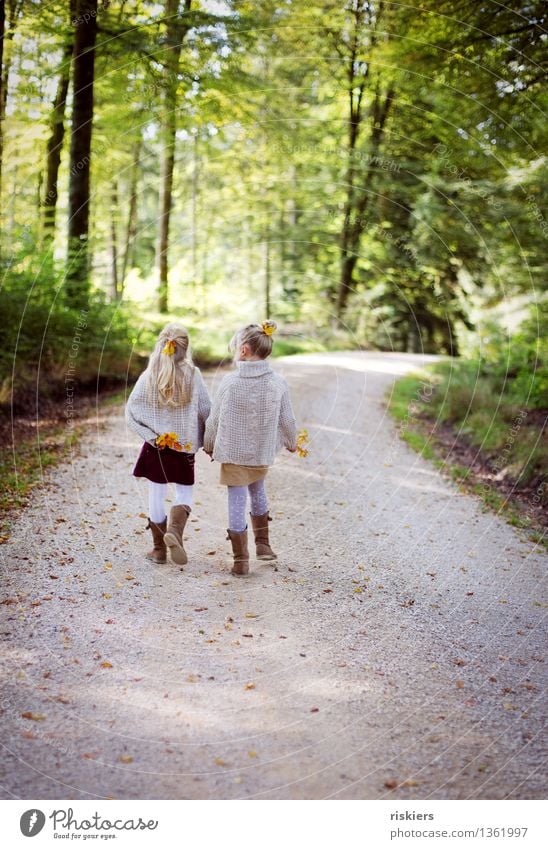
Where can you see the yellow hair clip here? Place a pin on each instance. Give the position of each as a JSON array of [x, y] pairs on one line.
[[268, 327], [169, 348]]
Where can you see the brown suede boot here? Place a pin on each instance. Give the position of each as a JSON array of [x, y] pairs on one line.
[[260, 530], [158, 552], [173, 538], [240, 552]]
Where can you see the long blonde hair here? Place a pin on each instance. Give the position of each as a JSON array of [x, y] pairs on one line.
[[170, 371]]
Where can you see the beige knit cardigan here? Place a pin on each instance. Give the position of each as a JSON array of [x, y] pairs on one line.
[[150, 419], [251, 418]]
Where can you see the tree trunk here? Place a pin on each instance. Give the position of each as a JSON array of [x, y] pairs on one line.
[[2, 85], [6, 37], [176, 30], [131, 231], [267, 277], [357, 205], [80, 151], [194, 210], [55, 141], [116, 288]]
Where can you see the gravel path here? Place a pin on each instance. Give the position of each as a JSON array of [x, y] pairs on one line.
[[395, 652]]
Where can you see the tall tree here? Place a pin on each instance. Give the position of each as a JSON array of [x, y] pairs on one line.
[[355, 49], [131, 227], [177, 25], [80, 151], [8, 26], [57, 134]]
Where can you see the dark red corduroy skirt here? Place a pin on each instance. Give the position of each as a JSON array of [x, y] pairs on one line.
[[164, 465]]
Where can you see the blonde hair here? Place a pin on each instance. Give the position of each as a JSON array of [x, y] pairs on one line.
[[257, 336], [170, 371]]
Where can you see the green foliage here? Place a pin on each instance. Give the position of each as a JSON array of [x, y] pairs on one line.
[[46, 343], [497, 401]]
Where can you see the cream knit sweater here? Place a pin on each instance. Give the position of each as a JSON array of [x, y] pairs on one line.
[[150, 420], [251, 417]]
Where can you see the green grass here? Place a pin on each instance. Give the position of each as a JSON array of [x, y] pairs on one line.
[[491, 420], [22, 466]]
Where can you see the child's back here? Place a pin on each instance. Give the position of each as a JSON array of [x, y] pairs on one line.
[[251, 420]]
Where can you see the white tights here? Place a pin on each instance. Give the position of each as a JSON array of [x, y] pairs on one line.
[[156, 497]]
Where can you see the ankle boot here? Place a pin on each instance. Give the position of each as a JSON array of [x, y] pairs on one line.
[[173, 537], [239, 551], [260, 530], [158, 552]]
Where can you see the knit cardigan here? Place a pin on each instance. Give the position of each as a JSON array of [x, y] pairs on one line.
[[251, 418], [150, 419]]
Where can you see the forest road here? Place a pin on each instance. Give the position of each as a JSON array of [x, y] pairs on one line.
[[395, 651]]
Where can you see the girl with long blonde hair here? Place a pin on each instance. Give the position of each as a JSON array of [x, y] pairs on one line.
[[168, 408]]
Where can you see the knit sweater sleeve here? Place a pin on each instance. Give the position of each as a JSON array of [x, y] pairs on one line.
[[287, 425], [135, 412], [212, 425], [203, 404]]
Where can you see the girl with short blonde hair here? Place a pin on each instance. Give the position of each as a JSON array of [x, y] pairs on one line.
[[251, 420]]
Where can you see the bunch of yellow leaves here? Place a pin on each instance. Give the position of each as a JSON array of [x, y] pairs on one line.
[[169, 348], [302, 442], [171, 440]]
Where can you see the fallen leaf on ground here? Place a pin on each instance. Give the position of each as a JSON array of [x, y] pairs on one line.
[[252, 754], [125, 759], [106, 664], [220, 762], [251, 615], [314, 710], [250, 686], [37, 717], [391, 784]]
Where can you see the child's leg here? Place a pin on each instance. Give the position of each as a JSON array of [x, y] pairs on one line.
[[259, 501], [156, 497], [237, 499], [260, 520], [178, 516], [157, 521], [184, 494]]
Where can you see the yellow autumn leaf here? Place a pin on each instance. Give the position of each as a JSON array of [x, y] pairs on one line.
[[250, 686], [220, 762], [106, 664], [37, 717], [169, 348], [252, 754], [125, 759], [108, 565], [107, 595], [302, 443]]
